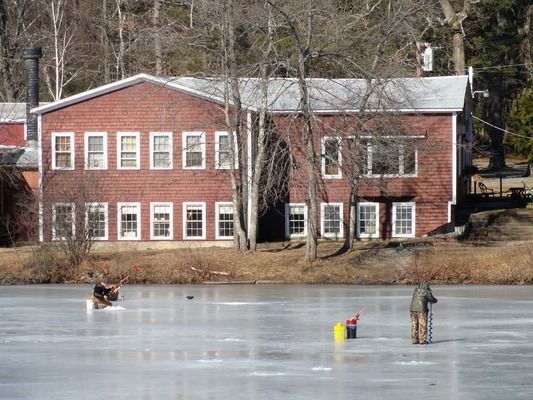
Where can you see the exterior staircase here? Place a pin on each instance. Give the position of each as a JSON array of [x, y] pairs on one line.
[[510, 224]]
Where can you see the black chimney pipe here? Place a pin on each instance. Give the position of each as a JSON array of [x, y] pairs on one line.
[[31, 58]]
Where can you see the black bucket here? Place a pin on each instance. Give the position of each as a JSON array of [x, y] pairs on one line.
[[351, 330]]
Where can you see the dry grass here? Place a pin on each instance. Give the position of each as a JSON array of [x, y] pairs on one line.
[[383, 262]]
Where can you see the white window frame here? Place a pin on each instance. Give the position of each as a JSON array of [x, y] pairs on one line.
[[340, 235], [184, 149], [106, 217], [338, 175], [54, 233], [119, 220], [86, 149], [171, 220], [401, 157], [218, 134], [217, 220], [201, 205], [287, 220], [413, 221], [170, 151], [366, 235], [120, 135], [56, 135]]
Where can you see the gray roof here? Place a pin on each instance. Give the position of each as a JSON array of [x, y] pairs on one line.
[[22, 157], [12, 112], [435, 94], [341, 95]]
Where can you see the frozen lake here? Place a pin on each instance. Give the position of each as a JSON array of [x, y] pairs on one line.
[[268, 342]]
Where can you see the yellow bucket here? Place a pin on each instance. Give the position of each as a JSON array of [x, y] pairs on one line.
[[339, 332]]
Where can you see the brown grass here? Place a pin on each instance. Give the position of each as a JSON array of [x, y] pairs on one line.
[[383, 262]]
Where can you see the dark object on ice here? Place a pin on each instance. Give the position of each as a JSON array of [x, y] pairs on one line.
[[351, 329], [190, 297]]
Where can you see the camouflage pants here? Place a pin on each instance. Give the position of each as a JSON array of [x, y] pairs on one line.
[[101, 302], [419, 327]]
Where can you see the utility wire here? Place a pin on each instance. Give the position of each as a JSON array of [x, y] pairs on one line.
[[501, 129], [500, 66]]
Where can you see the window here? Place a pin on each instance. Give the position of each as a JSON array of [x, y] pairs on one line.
[[392, 158], [128, 150], [403, 219], [296, 220], [129, 221], [160, 150], [331, 158], [63, 221], [194, 220], [224, 223], [95, 150], [63, 150], [193, 150], [161, 221], [368, 220], [223, 150], [96, 220], [331, 217]]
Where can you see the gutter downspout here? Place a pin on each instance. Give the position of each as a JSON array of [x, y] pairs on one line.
[[454, 167]]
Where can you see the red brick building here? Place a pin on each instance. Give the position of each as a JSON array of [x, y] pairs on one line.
[[147, 158]]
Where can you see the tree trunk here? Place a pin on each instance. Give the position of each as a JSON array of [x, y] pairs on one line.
[[104, 39], [459, 54], [525, 44], [352, 221], [157, 38], [497, 152], [239, 187]]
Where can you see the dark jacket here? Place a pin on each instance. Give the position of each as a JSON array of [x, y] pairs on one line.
[[101, 291], [421, 297]]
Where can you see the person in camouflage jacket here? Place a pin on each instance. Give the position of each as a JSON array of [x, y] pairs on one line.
[[419, 313]]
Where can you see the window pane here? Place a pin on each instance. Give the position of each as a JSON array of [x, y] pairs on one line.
[[128, 221], [96, 221], [62, 143], [223, 151], [385, 159], [96, 143], [63, 160], [225, 221], [409, 167], [63, 156], [331, 156], [162, 160], [194, 223], [404, 219], [332, 220], [161, 143], [367, 219], [161, 227], [296, 220], [63, 223], [128, 151], [95, 151], [193, 156]]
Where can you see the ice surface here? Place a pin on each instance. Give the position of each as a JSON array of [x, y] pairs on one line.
[[263, 342]]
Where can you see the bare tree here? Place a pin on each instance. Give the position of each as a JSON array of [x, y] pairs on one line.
[[454, 19], [78, 216], [63, 31], [16, 21]]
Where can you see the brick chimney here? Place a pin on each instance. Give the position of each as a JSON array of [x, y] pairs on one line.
[[31, 59]]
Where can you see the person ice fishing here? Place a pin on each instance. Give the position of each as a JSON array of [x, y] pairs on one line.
[[103, 293], [422, 295]]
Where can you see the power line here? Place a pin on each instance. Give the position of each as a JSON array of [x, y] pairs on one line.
[[501, 129], [476, 69]]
